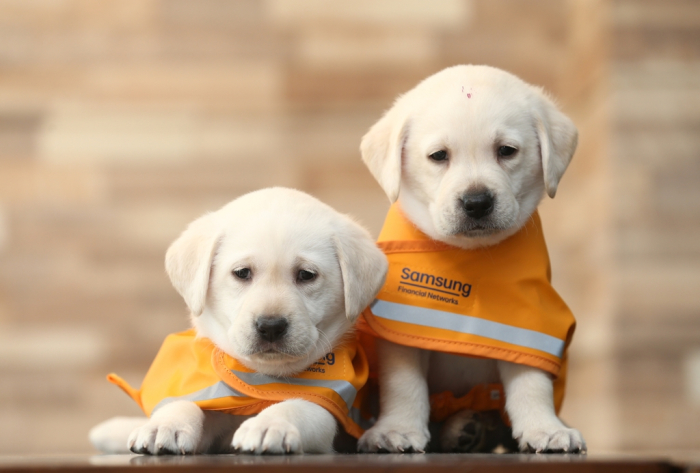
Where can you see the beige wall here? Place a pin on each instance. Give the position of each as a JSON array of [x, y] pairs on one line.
[[122, 120], [656, 150]]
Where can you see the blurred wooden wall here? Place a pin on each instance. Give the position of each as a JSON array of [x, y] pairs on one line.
[[123, 120], [656, 197]]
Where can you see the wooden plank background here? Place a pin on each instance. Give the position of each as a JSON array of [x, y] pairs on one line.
[[123, 120]]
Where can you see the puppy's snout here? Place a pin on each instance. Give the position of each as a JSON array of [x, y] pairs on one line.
[[271, 327], [478, 205]]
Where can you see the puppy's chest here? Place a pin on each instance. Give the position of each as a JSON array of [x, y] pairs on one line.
[[459, 374]]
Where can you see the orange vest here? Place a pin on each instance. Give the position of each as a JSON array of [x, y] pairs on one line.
[[194, 369], [495, 302]]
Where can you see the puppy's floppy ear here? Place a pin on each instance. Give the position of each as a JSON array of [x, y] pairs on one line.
[[382, 147], [558, 138], [362, 264], [188, 261]]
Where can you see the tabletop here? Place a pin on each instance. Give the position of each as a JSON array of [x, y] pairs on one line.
[[413, 463]]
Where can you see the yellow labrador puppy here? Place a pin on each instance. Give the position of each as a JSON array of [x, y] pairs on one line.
[[276, 280], [466, 157]]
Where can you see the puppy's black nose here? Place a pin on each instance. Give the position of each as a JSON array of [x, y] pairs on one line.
[[478, 205], [271, 327]]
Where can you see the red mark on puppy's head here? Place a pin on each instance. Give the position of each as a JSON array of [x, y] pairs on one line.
[[469, 96]]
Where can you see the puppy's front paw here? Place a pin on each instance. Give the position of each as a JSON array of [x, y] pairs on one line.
[[550, 438], [394, 438], [165, 437], [263, 434]]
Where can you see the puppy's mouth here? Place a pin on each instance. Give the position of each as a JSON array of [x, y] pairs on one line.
[[266, 351], [489, 226], [273, 356], [477, 229]]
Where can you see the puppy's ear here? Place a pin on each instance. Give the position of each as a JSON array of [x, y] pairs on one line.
[[362, 264], [188, 261], [558, 138], [382, 147]]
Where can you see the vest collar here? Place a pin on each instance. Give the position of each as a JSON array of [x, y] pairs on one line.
[[400, 235]]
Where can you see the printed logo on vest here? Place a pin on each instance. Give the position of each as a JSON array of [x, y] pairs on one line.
[[317, 367], [434, 287]]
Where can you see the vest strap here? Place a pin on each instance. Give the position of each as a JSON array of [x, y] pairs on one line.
[[343, 388], [216, 391]]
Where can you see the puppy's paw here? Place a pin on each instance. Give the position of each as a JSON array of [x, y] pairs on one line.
[[551, 438], [162, 437], [264, 434], [464, 432], [394, 438], [477, 432], [175, 429], [111, 435]]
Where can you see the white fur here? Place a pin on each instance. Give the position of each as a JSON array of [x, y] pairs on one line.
[[469, 112], [276, 233], [108, 436]]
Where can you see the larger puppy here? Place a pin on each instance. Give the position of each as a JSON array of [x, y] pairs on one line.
[[466, 157], [275, 280]]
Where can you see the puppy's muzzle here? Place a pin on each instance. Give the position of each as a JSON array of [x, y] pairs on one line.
[[477, 205], [271, 328]]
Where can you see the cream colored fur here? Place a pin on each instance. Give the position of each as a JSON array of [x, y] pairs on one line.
[[469, 112], [276, 233]]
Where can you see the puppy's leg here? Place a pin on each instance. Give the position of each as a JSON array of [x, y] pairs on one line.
[[111, 435], [530, 406], [181, 427], [293, 426], [404, 404], [174, 428]]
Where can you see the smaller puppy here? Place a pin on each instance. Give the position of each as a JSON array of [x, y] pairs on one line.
[[275, 281], [468, 320]]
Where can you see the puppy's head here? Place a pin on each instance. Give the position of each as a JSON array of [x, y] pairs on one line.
[[469, 153], [275, 278]]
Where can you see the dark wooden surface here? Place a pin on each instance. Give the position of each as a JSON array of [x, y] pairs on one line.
[[414, 463]]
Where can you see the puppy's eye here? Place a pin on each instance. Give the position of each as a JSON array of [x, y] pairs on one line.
[[305, 276], [506, 151], [243, 273], [439, 155]]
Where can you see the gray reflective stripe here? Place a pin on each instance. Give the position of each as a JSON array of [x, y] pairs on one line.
[[468, 324], [215, 391], [344, 389]]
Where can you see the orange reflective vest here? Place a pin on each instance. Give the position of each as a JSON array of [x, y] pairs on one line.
[[194, 369], [495, 302]]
